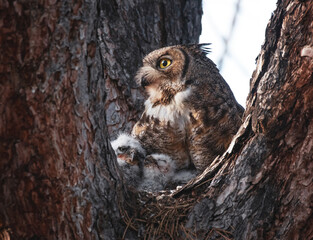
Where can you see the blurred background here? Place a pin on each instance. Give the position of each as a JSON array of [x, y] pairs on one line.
[[236, 30]]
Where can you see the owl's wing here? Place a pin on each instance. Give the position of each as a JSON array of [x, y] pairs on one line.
[[215, 118], [166, 138]]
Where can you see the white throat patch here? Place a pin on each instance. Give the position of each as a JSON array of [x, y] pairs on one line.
[[174, 112]]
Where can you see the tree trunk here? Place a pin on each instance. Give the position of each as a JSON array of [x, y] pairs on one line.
[[59, 178]]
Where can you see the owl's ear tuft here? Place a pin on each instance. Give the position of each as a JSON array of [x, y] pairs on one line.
[[204, 47], [200, 48]]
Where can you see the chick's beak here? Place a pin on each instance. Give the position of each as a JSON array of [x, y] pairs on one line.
[[132, 156]]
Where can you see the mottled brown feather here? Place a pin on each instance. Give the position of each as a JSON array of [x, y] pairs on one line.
[[195, 114]]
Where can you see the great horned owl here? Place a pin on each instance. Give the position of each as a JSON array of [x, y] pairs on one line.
[[191, 114]]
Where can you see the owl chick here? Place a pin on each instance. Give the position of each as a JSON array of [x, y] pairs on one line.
[[145, 173], [130, 157], [191, 114], [159, 170]]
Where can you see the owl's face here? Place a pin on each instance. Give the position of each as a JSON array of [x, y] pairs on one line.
[[163, 73], [128, 150]]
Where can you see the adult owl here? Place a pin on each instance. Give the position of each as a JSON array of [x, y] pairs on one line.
[[191, 114]]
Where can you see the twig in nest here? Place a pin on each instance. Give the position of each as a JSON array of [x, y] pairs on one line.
[[127, 226], [186, 232], [163, 217], [223, 233], [5, 233]]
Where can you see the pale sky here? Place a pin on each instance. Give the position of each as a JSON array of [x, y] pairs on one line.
[[245, 42]]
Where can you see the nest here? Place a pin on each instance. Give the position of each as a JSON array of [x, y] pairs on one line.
[[163, 215], [160, 217]]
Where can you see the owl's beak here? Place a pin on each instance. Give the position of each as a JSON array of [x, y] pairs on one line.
[[144, 82], [132, 155]]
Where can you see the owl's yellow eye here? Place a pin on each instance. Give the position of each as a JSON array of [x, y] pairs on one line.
[[164, 63]]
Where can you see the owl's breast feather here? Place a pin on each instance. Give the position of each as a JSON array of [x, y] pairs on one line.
[[174, 112]]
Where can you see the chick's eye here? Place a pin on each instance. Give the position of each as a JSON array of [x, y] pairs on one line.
[[164, 63], [123, 149]]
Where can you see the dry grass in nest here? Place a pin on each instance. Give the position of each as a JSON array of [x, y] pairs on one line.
[[164, 216], [159, 216]]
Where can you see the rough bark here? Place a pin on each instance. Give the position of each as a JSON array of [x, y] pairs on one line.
[[58, 175]]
